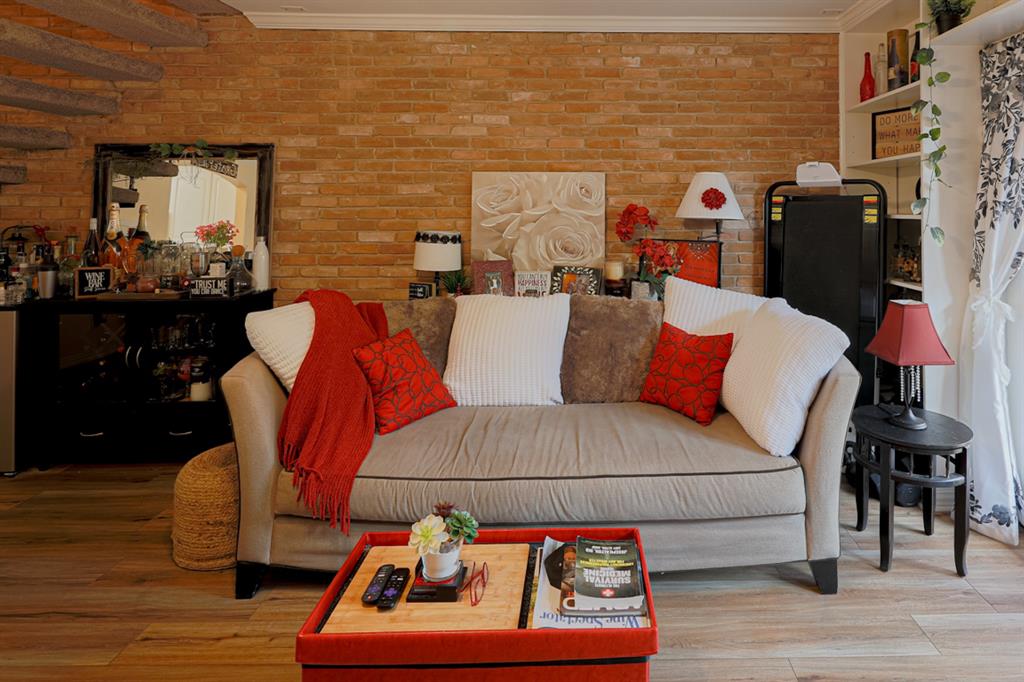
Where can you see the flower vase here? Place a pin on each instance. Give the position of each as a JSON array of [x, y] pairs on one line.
[[441, 565]]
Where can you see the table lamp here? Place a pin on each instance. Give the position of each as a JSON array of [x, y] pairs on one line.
[[907, 339], [710, 197], [437, 252]]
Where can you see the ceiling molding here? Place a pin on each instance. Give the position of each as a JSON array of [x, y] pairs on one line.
[[567, 23], [859, 12]]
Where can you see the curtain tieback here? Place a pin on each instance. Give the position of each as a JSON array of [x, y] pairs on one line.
[[991, 314]]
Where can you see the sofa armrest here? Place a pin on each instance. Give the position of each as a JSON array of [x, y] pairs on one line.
[[821, 456], [256, 402]]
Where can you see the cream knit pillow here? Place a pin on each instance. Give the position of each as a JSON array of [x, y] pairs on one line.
[[281, 337], [774, 373], [507, 350], [704, 310]]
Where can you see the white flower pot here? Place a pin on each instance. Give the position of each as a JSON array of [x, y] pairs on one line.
[[441, 565]]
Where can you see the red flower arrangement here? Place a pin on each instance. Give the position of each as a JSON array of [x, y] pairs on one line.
[[632, 218], [712, 198]]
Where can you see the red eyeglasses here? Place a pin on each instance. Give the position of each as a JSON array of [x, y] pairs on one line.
[[476, 584]]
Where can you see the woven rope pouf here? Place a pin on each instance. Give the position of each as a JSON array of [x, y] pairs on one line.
[[205, 526]]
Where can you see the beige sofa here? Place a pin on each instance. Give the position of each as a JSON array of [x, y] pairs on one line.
[[701, 496]]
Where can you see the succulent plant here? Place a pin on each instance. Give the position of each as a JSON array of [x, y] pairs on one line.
[[462, 525], [443, 509]]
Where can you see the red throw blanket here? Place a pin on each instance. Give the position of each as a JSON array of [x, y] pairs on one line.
[[327, 427]]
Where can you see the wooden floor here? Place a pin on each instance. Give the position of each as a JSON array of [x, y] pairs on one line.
[[88, 591]]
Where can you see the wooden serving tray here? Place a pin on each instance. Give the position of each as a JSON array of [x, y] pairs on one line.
[[498, 610]]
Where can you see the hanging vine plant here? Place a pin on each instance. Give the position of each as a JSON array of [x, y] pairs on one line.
[[932, 114]]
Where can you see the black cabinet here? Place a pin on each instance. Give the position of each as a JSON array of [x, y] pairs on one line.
[[126, 380]]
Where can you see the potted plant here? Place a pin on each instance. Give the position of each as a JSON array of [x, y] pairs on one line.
[[658, 259], [216, 236], [438, 539], [949, 13], [456, 283]]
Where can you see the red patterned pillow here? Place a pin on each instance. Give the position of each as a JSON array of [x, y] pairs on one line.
[[405, 386], [686, 373]]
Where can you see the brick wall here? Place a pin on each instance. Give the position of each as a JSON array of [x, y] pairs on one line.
[[378, 133]]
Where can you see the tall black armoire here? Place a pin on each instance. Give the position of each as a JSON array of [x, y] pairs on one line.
[[823, 254]]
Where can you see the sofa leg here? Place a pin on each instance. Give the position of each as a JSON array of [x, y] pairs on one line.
[[248, 576], [826, 574]]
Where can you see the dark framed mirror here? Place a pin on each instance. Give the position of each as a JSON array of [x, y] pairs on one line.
[[187, 185]]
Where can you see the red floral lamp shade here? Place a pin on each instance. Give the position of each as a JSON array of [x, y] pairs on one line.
[[709, 197], [908, 338]]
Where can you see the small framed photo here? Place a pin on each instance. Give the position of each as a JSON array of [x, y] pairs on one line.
[[641, 291], [533, 284], [420, 290], [90, 282], [493, 277], [571, 279]]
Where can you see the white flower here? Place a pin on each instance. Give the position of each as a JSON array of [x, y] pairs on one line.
[[558, 238], [428, 534], [513, 201], [580, 192]]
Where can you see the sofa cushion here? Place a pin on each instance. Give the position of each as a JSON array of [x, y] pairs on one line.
[[593, 463], [703, 310], [430, 322], [608, 348]]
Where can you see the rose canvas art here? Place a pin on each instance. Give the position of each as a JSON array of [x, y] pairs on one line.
[[539, 220]]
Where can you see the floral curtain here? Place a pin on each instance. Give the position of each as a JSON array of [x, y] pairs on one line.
[[995, 496]]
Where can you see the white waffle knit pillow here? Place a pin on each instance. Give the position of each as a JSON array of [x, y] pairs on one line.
[[775, 371], [281, 337], [507, 350], [704, 310]]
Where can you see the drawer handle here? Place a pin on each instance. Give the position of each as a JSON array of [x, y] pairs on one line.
[[95, 434], [179, 433]]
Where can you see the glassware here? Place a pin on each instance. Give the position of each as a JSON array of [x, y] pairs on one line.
[[241, 278], [199, 262]]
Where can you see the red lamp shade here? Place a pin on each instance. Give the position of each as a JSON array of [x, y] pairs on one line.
[[907, 337]]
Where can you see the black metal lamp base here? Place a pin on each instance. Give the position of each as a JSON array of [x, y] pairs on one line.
[[908, 420]]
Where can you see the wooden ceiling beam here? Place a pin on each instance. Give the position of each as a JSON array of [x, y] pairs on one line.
[[36, 46], [205, 7], [126, 19], [21, 137], [15, 92]]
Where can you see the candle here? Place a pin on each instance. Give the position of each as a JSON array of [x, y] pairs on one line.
[[614, 270]]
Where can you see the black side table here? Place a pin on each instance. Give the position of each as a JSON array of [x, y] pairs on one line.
[[944, 437]]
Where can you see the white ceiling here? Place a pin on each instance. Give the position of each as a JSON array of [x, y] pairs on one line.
[[550, 15]]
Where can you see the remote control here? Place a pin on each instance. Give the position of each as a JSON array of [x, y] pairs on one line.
[[393, 590], [376, 586]]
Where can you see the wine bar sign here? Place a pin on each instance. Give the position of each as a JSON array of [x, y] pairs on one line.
[[90, 282], [894, 133]]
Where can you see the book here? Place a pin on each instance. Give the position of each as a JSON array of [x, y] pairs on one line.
[[607, 577], [545, 611], [533, 283], [493, 277]]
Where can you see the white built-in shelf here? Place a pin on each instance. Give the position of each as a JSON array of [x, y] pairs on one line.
[[903, 216], [888, 162], [995, 24], [905, 284], [894, 99]]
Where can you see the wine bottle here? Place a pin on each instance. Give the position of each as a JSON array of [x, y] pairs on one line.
[[867, 83], [141, 233], [91, 250], [111, 246], [915, 68]]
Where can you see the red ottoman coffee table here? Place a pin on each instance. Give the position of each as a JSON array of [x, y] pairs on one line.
[[344, 640]]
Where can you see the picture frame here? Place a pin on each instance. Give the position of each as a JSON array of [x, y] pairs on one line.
[[572, 279], [421, 290], [93, 281], [700, 261], [493, 277], [895, 132], [533, 283]]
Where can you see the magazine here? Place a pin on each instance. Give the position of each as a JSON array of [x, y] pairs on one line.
[[607, 577], [546, 613]]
